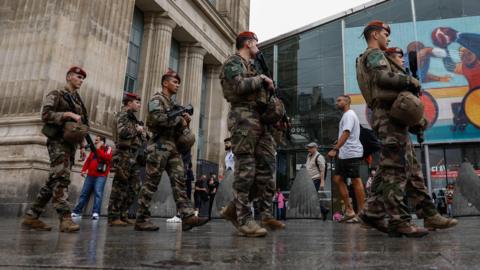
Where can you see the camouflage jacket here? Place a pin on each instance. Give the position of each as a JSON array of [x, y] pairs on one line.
[[127, 136], [55, 104], [379, 79], [157, 120], [240, 80]]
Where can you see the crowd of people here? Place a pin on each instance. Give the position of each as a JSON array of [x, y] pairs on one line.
[[257, 122]]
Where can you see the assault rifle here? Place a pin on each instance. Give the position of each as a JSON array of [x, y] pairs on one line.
[[90, 144], [179, 110], [413, 65], [266, 71]]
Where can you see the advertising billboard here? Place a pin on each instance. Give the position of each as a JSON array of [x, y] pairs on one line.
[[448, 54]]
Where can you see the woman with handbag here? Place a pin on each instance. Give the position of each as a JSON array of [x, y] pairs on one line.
[[96, 167]]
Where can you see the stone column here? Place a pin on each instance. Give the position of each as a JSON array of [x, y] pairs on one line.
[[157, 39], [190, 92], [215, 126]]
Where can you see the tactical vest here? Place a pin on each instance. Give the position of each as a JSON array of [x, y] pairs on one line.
[[54, 131], [132, 143], [167, 106], [371, 92], [247, 72]]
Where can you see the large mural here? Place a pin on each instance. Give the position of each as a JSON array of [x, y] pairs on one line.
[[448, 55]]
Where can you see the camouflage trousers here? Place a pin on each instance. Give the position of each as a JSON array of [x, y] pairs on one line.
[[62, 156], [398, 175], [161, 157], [254, 150], [125, 185]]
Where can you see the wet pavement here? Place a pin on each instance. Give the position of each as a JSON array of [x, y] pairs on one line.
[[305, 244]]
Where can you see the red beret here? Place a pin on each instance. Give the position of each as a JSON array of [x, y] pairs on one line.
[[393, 50], [378, 25], [78, 70], [247, 35], [171, 73], [127, 96]]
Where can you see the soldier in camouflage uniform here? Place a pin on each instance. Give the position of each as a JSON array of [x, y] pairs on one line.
[[252, 141], [163, 154], [130, 137], [59, 107], [381, 83], [416, 191]]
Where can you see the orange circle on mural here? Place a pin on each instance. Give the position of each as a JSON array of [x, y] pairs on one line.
[[430, 108], [471, 106]]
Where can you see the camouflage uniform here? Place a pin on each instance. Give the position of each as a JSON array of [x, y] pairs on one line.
[[127, 161], [380, 82], [252, 142], [61, 153], [162, 155]]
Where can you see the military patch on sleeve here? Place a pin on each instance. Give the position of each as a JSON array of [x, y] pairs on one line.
[[50, 99], [233, 69], [153, 105], [376, 60]]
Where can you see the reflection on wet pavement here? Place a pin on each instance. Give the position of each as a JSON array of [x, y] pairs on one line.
[[305, 244]]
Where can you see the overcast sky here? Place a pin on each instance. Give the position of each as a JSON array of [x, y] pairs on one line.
[[271, 18]]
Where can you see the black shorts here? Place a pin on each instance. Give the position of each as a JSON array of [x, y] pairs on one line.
[[348, 168]]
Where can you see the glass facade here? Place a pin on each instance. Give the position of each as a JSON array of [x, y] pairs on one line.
[[134, 47], [314, 66]]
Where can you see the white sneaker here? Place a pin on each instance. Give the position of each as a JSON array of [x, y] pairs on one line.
[[174, 219], [74, 215], [95, 216]]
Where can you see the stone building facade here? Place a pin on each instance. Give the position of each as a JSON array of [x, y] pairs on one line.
[[123, 45]]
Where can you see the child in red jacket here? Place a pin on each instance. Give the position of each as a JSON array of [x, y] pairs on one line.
[[96, 168]]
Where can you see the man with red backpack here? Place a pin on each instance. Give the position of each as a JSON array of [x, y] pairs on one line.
[[96, 167]]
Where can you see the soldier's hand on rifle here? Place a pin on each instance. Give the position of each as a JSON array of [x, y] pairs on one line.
[[268, 82], [187, 118], [139, 129], [415, 85], [73, 116]]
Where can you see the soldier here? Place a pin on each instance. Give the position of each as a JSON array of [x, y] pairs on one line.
[[130, 137], [382, 85], [416, 191], [169, 135], [62, 113], [252, 142]]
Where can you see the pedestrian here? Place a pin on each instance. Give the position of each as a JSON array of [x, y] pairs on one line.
[[201, 192], [212, 191], [229, 158], [96, 169], [247, 91], [449, 199], [280, 199], [169, 135], [316, 169], [130, 138], [63, 112], [349, 152]]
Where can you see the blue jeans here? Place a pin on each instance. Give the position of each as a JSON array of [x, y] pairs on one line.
[[95, 184]]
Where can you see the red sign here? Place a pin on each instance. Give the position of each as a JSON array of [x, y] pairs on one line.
[[445, 174]]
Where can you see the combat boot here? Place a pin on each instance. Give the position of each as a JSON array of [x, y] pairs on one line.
[[272, 224], [252, 229], [129, 222], [146, 225], [229, 213], [376, 223], [67, 224], [117, 223], [193, 221], [439, 222], [408, 230], [34, 223]]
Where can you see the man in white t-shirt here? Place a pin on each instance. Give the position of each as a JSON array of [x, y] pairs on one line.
[[229, 160], [349, 153]]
